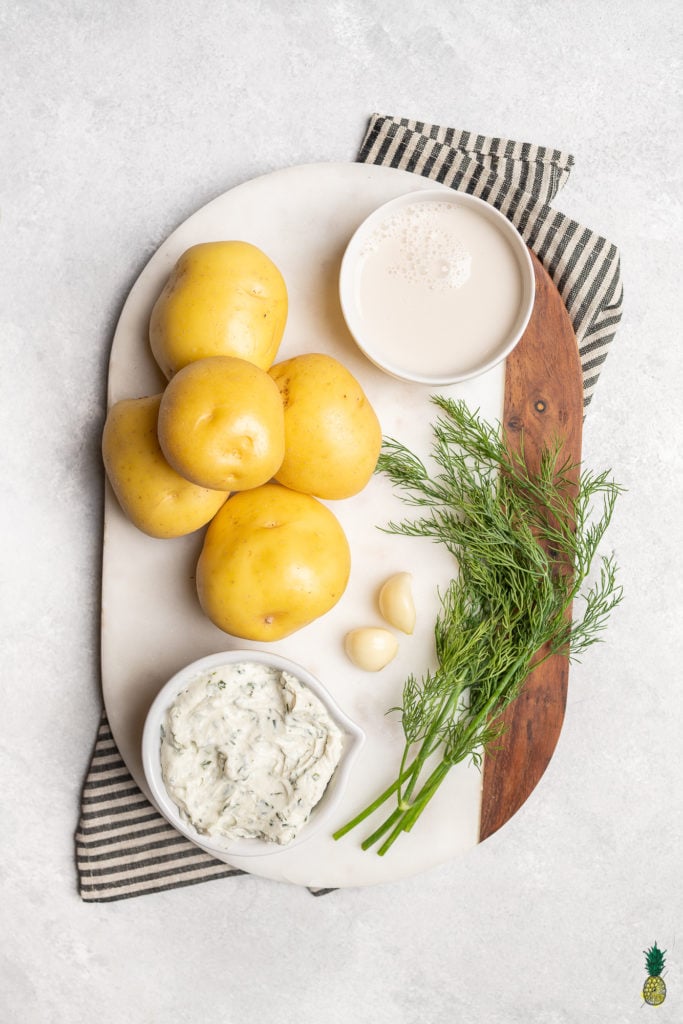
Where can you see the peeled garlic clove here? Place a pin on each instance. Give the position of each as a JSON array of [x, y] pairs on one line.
[[370, 647], [396, 602]]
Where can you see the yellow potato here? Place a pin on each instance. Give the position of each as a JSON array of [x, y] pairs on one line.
[[273, 560], [332, 435], [154, 497], [222, 299], [221, 424]]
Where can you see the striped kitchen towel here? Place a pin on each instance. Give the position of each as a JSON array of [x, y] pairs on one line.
[[124, 847]]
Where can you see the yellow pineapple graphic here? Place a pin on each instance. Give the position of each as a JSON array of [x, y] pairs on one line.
[[654, 989]]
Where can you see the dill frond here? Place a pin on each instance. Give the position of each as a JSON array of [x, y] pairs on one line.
[[524, 544]]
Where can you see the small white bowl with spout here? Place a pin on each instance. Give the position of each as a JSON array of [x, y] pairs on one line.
[[323, 812]]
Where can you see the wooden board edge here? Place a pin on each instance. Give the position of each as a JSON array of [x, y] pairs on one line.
[[543, 401]]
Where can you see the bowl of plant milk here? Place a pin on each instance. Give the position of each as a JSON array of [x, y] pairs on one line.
[[436, 286]]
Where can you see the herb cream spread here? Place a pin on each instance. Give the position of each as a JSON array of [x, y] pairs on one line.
[[247, 751]]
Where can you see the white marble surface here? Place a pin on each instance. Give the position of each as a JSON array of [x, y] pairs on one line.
[[118, 121]]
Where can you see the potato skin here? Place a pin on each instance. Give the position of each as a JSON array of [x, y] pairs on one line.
[[221, 424], [156, 499], [273, 560], [222, 298], [332, 434]]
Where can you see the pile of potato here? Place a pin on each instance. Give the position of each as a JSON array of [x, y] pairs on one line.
[[243, 445]]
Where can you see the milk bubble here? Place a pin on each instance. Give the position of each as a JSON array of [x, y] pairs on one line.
[[438, 288], [426, 246]]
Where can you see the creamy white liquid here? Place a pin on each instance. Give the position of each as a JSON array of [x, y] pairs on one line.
[[247, 752], [439, 289]]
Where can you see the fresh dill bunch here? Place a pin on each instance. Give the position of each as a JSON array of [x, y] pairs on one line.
[[524, 543]]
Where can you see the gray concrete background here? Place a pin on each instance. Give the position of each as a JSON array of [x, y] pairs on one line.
[[118, 121]]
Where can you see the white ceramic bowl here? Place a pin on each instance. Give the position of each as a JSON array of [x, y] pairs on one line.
[[499, 330], [323, 813]]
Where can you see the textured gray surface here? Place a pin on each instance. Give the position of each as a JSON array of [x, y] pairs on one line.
[[118, 121]]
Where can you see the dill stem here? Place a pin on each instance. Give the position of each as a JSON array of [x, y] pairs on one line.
[[426, 793], [410, 816], [402, 813], [384, 827], [431, 740], [484, 713], [429, 744], [374, 805]]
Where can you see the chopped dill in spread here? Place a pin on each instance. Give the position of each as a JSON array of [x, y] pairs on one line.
[[247, 751]]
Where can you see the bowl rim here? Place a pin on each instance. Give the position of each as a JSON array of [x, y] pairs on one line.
[[354, 738], [350, 260]]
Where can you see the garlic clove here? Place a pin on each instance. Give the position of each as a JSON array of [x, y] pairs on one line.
[[396, 602], [370, 647]]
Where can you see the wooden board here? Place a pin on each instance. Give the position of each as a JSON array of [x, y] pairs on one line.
[[543, 401], [151, 622]]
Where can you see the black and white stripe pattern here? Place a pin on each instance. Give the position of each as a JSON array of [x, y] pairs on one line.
[[123, 846], [521, 180]]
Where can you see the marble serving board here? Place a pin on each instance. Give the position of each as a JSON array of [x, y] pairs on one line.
[[302, 217]]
